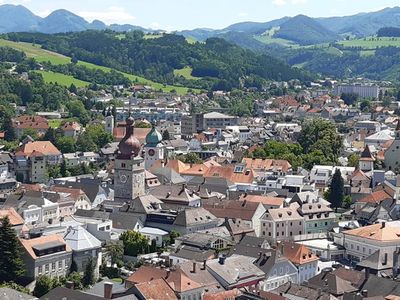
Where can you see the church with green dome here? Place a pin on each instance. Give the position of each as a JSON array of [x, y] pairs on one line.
[[153, 149]]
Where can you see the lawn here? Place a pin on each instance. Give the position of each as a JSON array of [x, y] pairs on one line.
[[186, 72], [42, 55], [56, 123], [152, 36], [37, 52], [62, 79], [372, 43]]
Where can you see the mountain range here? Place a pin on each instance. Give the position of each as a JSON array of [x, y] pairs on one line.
[[17, 18], [300, 29]]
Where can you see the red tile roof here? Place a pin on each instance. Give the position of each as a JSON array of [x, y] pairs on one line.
[[156, 290], [13, 216], [375, 197], [44, 147], [297, 253], [266, 200]]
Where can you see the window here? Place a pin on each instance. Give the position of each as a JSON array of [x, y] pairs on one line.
[[40, 270], [46, 268], [123, 165], [53, 267]]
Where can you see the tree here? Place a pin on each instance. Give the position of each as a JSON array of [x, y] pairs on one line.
[[173, 235], [135, 243], [365, 106], [74, 267], [165, 135], [77, 109], [353, 160], [29, 132], [347, 201], [336, 195], [89, 277], [43, 285], [142, 124], [319, 134], [190, 158], [11, 265], [115, 252], [66, 144], [76, 279]]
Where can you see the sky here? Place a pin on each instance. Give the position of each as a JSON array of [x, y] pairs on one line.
[[189, 14]]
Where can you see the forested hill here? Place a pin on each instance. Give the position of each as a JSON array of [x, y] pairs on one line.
[[214, 64]]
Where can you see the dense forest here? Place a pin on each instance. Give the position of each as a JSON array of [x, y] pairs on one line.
[[389, 32], [217, 63]]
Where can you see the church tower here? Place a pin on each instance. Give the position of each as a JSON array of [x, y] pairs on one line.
[[366, 162], [154, 149], [129, 176]]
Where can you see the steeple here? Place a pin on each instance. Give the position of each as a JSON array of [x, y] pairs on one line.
[[129, 146]]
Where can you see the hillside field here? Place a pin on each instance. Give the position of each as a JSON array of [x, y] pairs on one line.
[[371, 43], [42, 55]]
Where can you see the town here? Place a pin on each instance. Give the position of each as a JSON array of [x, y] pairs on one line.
[[301, 200], [217, 185]]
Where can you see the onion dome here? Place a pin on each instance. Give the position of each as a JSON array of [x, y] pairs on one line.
[[129, 146], [154, 137]]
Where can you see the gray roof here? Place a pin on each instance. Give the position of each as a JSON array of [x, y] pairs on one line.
[[301, 292], [174, 193], [379, 286], [124, 220], [235, 269], [167, 175], [199, 239], [94, 214], [375, 260], [79, 239], [10, 294], [194, 216], [194, 253]]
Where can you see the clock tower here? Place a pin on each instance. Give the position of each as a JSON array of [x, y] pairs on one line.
[[129, 174], [154, 149]]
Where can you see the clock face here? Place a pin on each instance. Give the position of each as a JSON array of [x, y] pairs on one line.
[[123, 178], [151, 152]]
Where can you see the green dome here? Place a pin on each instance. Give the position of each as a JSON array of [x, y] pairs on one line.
[[154, 137]]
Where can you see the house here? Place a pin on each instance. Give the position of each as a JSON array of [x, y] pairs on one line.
[[155, 289], [318, 217], [16, 221], [46, 255], [78, 196], [176, 194], [71, 129], [269, 202], [264, 166], [155, 234], [236, 271], [34, 207], [37, 123], [364, 241], [85, 247], [33, 158], [303, 258], [282, 224], [247, 212], [79, 158], [392, 154]]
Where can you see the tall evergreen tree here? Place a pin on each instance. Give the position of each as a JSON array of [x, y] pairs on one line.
[[336, 195], [165, 135], [89, 278], [11, 265]]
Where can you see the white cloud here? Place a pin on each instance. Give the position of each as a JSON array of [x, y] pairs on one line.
[[279, 2], [243, 14], [114, 14], [155, 25]]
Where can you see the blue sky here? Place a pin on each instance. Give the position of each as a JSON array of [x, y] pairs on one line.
[[189, 14]]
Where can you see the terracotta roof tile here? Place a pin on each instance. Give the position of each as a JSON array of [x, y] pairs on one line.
[[13, 216], [266, 200], [375, 197], [380, 232], [29, 244], [45, 147], [297, 253], [156, 290]]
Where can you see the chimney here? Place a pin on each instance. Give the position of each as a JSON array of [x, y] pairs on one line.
[[221, 259], [204, 264], [194, 267], [108, 287], [168, 273], [383, 224], [364, 293], [69, 285]]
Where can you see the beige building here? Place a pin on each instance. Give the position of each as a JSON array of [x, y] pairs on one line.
[[392, 154], [282, 224]]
